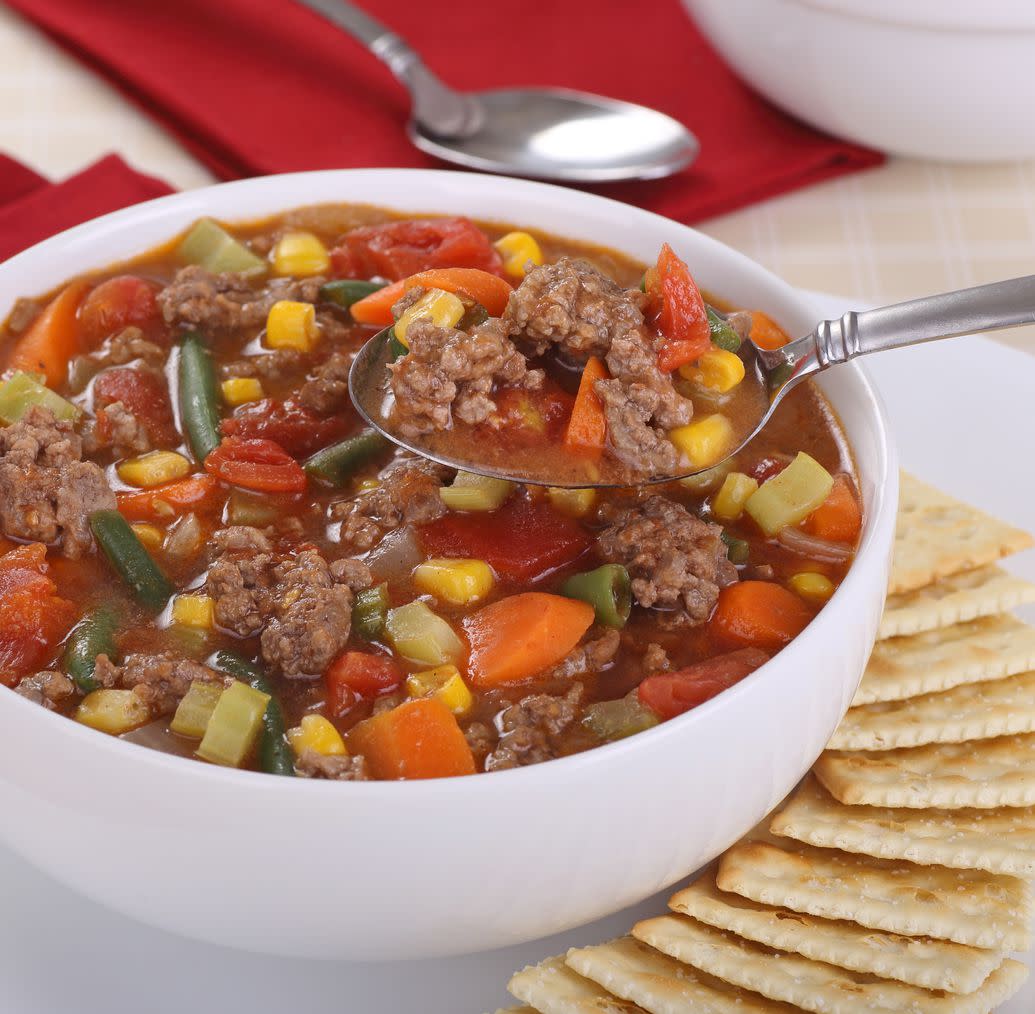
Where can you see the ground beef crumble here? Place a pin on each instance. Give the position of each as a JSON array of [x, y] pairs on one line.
[[589, 657], [160, 680], [327, 391], [677, 561], [407, 494], [229, 301], [51, 689], [47, 492], [301, 604], [528, 729], [312, 764], [573, 305], [449, 373]]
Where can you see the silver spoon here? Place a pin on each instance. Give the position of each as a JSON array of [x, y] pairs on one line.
[[544, 133], [858, 333]]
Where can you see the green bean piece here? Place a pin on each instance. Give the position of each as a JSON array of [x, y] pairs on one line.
[[199, 404], [126, 553], [369, 612], [347, 291], [275, 754], [474, 315], [93, 635], [607, 589], [335, 465], [737, 550], [396, 349], [722, 331]]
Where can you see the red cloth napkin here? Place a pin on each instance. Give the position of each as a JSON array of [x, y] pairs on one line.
[[265, 86], [31, 208]]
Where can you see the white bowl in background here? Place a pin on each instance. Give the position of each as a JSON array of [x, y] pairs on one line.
[[415, 869], [932, 79]]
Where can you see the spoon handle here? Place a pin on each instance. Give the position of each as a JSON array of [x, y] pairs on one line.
[[983, 308], [435, 105]]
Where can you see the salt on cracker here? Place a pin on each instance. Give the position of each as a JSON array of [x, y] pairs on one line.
[[813, 985], [986, 649], [937, 536], [551, 987], [919, 961], [983, 773], [632, 970], [967, 596], [967, 906], [998, 841], [972, 711]]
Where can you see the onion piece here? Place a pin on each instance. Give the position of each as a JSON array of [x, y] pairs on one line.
[[395, 556], [803, 544]]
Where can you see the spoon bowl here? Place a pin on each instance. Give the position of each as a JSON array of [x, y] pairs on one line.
[[542, 133], [990, 307], [558, 134]]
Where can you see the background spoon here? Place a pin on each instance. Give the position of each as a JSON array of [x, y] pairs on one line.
[[545, 133], [967, 311]]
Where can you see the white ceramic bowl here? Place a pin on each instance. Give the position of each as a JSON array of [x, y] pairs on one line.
[[412, 869], [928, 78]]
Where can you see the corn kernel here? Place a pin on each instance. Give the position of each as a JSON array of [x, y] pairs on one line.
[[113, 711], [315, 732], [517, 249], [300, 254], [150, 535], [154, 469], [459, 582], [811, 586], [364, 485], [241, 390], [704, 441], [729, 502], [291, 325], [444, 683], [441, 308], [718, 370], [194, 611], [576, 503]]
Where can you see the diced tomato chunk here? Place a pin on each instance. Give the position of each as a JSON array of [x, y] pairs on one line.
[[678, 310], [117, 303], [396, 250], [668, 694], [522, 541], [534, 414], [33, 618], [297, 429], [260, 465], [143, 393], [359, 674]]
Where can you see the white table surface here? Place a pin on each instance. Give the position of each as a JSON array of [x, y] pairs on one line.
[[961, 415]]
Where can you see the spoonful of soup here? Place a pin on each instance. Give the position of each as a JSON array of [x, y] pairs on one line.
[[570, 380]]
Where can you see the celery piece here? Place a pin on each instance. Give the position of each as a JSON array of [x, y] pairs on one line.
[[194, 711], [209, 245], [610, 720], [23, 391], [471, 492], [419, 635], [791, 496], [234, 726]]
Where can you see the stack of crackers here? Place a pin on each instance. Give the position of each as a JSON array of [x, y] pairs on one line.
[[896, 877]]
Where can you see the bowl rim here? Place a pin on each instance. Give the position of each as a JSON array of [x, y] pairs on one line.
[[878, 519], [992, 16]]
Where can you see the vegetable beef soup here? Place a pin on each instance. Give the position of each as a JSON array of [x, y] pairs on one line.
[[203, 551]]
